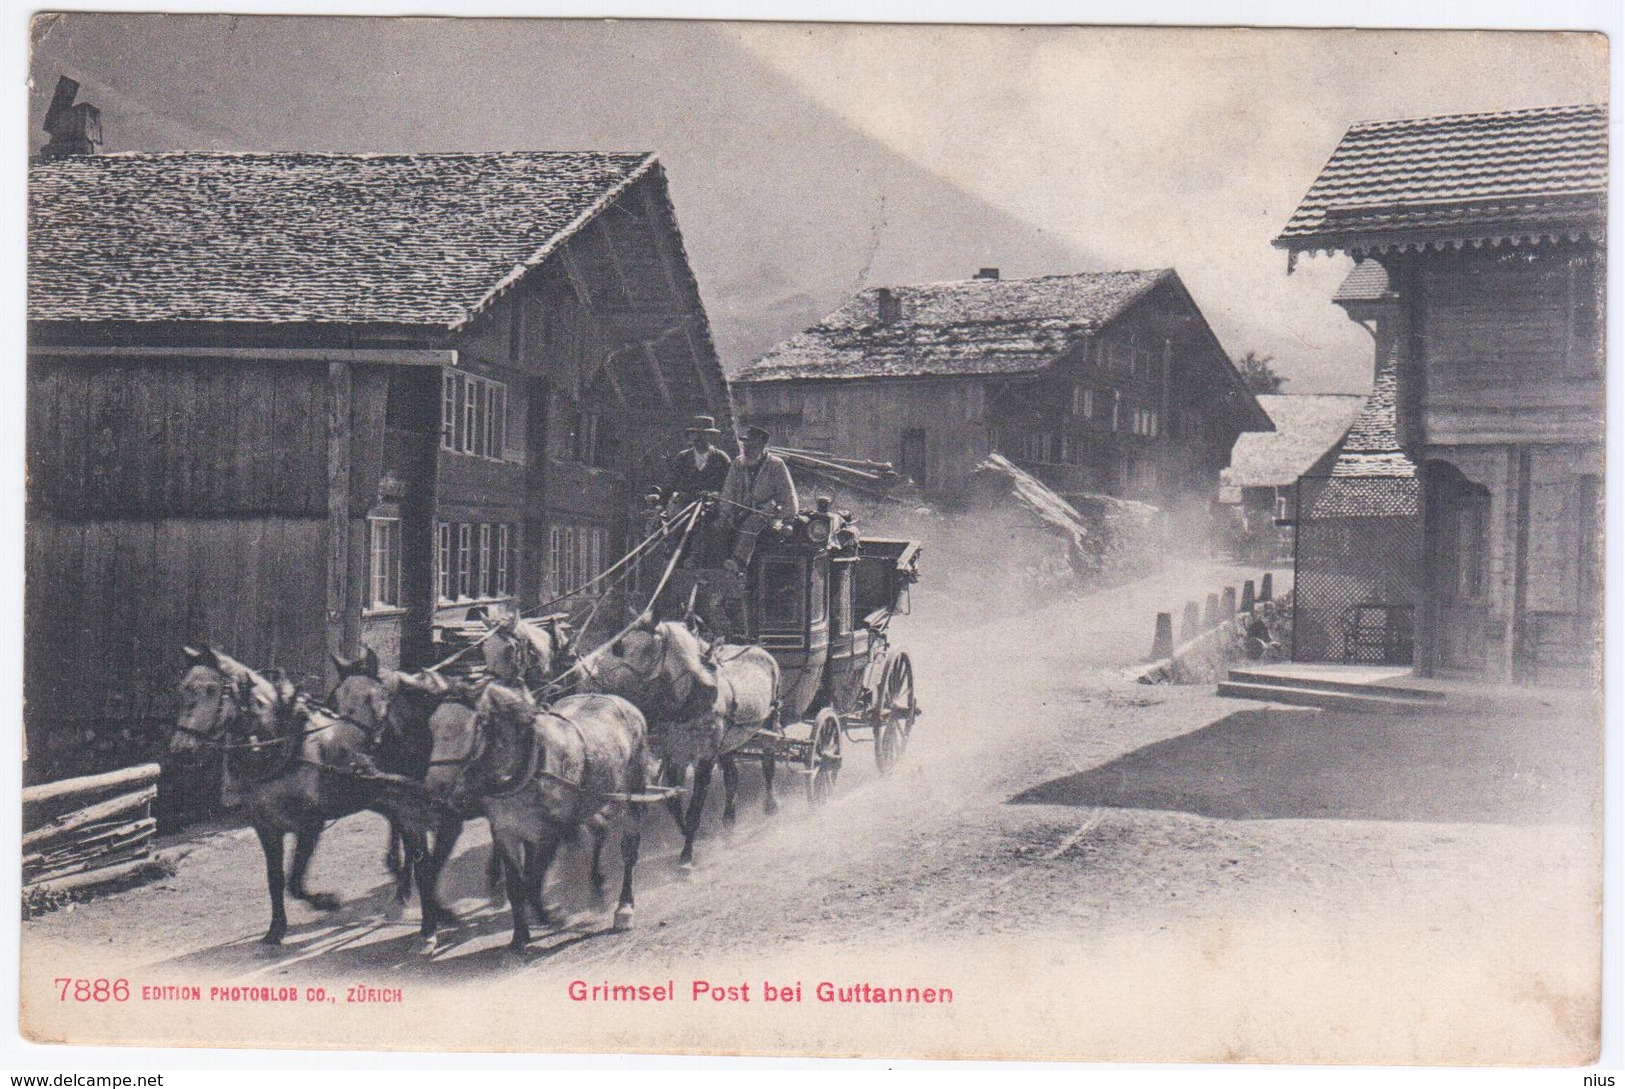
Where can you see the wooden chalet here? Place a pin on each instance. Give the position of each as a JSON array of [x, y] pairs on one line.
[[1260, 485], [293, 403], [1481, 278], [1103, 383]]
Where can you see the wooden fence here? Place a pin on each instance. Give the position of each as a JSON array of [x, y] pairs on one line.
[[83, 832]]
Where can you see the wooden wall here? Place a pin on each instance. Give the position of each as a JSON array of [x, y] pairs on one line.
[[1510, 344], [148, 438], [866, 418]]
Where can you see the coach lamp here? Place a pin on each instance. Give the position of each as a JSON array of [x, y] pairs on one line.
[[821, 526]]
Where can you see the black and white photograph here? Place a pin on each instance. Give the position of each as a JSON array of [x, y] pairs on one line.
[[789, 539]]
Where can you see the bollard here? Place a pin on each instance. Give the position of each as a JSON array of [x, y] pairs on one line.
[[1248, 599], [1266, 588], [1228, 603], [1162, 644], [1210, 617], [1189, 627]]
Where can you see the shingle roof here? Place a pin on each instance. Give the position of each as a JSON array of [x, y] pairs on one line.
[[1518, 173], [192, 236], [957, 328], [1372, 477], [1367, 283], [1306, 427]]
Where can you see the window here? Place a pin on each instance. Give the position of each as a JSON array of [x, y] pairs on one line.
[[576, 554], [465, 565], [473, 415], [486, 570], [1145, 422], [781, 594], [475, 561], [1117, 409], [444, 561], [384, 562], [1037, 446], [503, 586], [1083, 402], [840, 617], [590, 440]]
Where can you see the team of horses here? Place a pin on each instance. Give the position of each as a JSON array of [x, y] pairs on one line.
[[549, 748]]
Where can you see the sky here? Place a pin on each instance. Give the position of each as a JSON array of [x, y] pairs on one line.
[[808, 161]]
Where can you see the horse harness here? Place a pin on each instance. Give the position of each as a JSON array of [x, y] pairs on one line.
[[532, 767], [241, 705]]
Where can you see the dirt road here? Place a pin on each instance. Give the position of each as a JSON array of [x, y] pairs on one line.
[[1091, 868]]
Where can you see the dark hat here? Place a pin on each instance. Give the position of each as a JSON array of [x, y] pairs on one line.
[[755, 434], [704, 424]]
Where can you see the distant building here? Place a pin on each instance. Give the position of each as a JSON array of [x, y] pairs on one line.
[[1481, 278], [1097, 383], [1261, 483], [291, 403]]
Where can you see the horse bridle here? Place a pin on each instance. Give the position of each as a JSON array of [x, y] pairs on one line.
[[237, 704]]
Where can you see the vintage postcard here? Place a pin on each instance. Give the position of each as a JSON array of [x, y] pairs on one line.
[[815, 539]]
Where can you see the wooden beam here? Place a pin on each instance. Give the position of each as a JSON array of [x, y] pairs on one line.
[[90, 785], [614, 260], [338, 507], [660, 219], [607, 369], [659, 375], [577, 277], [406, 357], [708, 386]]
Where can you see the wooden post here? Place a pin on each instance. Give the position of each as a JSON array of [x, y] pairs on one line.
[[1266, 587], [1210, 615], [1190, 626], [1248, 600], [1162, 644], [1522, 665], [1227, 603], [338, 508]]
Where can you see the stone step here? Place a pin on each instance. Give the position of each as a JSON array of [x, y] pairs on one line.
[[1320, 684], [1328, 701]]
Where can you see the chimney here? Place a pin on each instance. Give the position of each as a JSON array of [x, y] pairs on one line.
[[986, 274], [888, 306], [75, 130]]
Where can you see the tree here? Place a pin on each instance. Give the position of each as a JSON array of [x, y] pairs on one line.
[[1259, 375]]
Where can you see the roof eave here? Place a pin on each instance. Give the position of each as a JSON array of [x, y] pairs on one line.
[[1366, 243], [745, 379], [552, 245]]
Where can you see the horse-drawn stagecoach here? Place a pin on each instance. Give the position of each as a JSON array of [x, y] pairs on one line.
[[820, 599], [802, 665]]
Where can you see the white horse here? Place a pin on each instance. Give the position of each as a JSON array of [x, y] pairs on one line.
[[703, 703]]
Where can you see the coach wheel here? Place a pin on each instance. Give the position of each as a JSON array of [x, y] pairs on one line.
[[824, 757], [900, 700]]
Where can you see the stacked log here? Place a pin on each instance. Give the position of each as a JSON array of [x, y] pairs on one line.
[[82, 832]]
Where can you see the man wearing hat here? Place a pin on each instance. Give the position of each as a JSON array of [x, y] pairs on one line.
[[699, 467], [757, 492]]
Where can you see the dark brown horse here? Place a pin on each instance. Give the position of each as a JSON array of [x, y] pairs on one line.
[[395, 708], [540, 776], [705, 702], [299, 767]]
